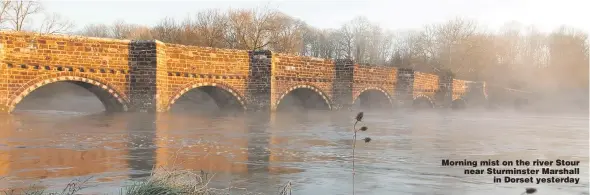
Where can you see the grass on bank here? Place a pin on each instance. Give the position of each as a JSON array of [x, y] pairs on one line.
[[162, 181], [176, 181], [72, 188]]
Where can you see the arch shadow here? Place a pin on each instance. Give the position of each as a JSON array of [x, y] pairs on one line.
[[459, 104], [303, 96], [422, 102], [225, 98], [111, 99], [373, 98]]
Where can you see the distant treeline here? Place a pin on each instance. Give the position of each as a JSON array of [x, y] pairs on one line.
[[516, 56]]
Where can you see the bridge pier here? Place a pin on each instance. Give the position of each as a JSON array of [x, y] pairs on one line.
[[342, 84], [404, 89], [147, 77], [444, 95], [259, 88]]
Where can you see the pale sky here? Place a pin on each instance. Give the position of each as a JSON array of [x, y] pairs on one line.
[[392, 14]]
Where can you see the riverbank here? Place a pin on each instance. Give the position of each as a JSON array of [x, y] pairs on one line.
[[162, 181]]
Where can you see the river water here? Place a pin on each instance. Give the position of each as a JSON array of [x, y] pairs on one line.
[[312, 150], [261, 152]]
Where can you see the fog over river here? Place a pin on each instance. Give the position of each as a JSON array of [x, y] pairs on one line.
[[261, 152]]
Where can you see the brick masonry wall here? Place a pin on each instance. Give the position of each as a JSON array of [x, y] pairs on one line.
[[143, 63], [162, 81], [291, 72], [190, 67], [342, 84], [378, 78], [151, 75], [444, 95], [260, 80], [404, 87], [459, 88], [425, 85], [30, 61]]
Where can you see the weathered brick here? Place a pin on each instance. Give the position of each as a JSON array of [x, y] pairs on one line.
[[375, 78], [151, 75]]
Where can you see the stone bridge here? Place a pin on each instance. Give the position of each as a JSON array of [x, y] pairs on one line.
[[151, 76]]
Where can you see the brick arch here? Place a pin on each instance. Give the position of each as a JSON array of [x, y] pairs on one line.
[[430, 100], [306, 86], [195, 85], [389, 98], [30, 86]]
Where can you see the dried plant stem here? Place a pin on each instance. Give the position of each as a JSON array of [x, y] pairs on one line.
[[353, 148], [359, 118]]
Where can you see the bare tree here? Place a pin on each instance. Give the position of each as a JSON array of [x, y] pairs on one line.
[[96, 30], [5, 6], [309, 39], [250, 29], [457, 34], [534, 51], [345, 37], [56, 23], [188, 32], [167, 30], [427, 46], [512, 57], [288, 35], [408, 49], [569, 61], [210, 27], [21, 10], [380, 46], [139, 32], [120, 29], [446, 46], [360, 29], [321, 43]]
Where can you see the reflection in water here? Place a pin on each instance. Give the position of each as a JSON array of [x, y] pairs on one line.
[[258, 140], [189, 145], [311, 149], [52, 148], [142, 128]]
